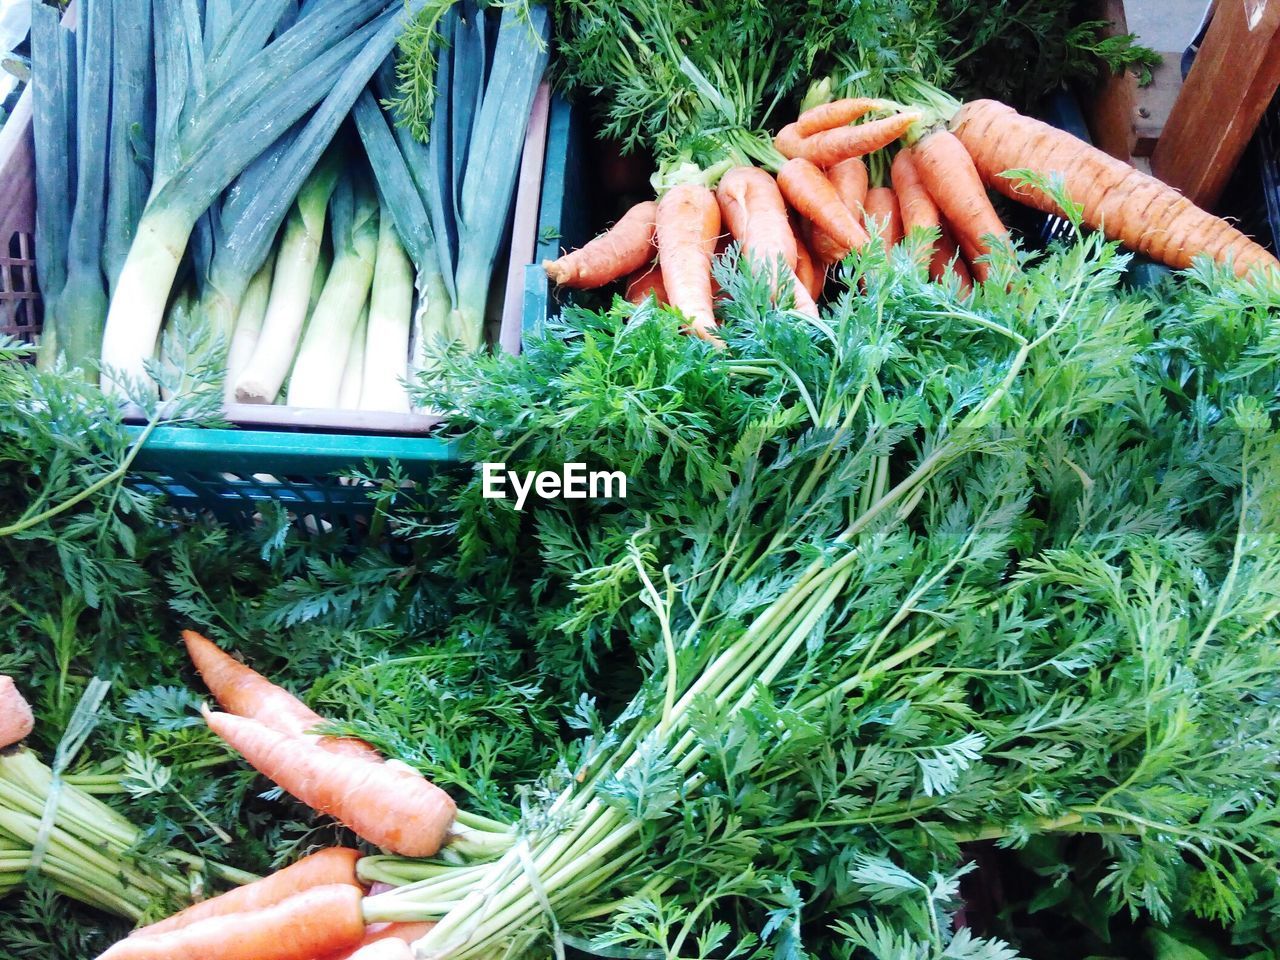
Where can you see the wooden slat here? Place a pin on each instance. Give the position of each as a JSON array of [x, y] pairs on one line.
[[1236, 73]]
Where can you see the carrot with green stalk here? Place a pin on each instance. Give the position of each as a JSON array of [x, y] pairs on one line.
[[313, 923], [386, 804], [246, 693], [828, 145]]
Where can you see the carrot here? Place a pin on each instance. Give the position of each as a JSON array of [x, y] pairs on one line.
[[947, 257], [377, 933], [336, 865], [808, 190], [829, 147], [949, 174], [687, 227], [309, 924], [1125, 204], [385, 804], [247, 693], [16, 721], [849, 177], [622, 249], [645, 281], [753, 209], [882, 214], [837, 113], [383, 950], [811, 275]]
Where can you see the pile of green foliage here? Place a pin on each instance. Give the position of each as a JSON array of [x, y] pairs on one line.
[[1060, 640], [669, 75]]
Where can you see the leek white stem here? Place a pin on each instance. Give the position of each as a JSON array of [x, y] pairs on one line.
[[142, 291], [353, 375], [295, 272], [317, 373], [386, 353], [253, 311]]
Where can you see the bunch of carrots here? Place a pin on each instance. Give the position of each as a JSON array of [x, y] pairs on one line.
[[817, 205], [313, 909]]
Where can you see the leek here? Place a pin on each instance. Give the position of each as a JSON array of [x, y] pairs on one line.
[[132, 133], [317, 373], [254, 209], [82, 304], [295, 274], [53, 85], [493, 161], [353, 372], [386, 351], [221, 132], [253, 310]]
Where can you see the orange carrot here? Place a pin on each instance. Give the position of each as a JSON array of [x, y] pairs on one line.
[[688, 225], [829, 147], [1127, 205], [947, 257], [247, 693], [645, 281], [808, 190], [305, 926], [383, 950], [16, 721], [837, 113], [919, 212], [755, 213], [336, 865], [376, 933], [882, 214], [622, 249], [752, 208], [948, 173], [811, 275], [849, 177], [385, 804]]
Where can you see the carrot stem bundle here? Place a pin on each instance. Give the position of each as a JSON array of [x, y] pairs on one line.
[[688, 224], [336, 865], [16, 720], [385, 804], [246, 693], [1125, 204], [310, 924], [949, 174], [622, 249]]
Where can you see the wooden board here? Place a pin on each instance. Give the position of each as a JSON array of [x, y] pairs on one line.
[[1236, 73]]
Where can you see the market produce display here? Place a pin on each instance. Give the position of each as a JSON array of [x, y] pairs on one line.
[[937, 618]]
